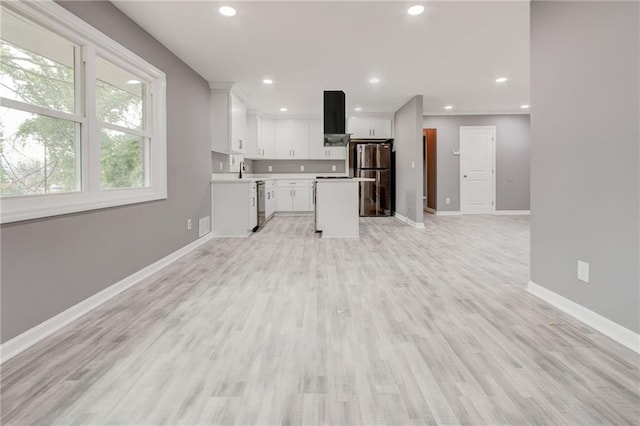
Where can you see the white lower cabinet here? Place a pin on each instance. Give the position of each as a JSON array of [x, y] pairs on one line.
[[270, 198], [234, 208], [294, 196]]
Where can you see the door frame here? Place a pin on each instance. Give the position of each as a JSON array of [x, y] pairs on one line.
[[493, 167]]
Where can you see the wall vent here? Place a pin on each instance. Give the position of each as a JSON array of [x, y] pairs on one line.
[[203, 226]]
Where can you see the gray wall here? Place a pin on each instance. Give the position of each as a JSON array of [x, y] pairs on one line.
[[51, 264], [512, 158], [293, 166], [408, 148], [585, 128]]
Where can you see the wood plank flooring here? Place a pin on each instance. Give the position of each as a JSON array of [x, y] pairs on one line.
[[400, 327]]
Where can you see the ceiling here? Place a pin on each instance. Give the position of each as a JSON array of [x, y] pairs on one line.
[[451, 54]]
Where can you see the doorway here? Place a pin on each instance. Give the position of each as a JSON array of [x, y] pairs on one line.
[[477, 169], [430, 175]]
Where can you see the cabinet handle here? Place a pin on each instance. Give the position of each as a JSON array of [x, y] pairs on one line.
[[253, 201], [240, 140], [268, 195], [374, 132]]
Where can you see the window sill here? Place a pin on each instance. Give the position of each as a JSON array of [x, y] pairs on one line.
[[9, 215]]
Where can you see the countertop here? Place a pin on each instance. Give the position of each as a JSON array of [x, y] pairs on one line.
[[346, 180], [249, 177]]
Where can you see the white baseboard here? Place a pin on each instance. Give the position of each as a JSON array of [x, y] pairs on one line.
[[408, 221], [448, 213], [23, 341], [512, 212], [399, 217], [615, 331], [415, 224]]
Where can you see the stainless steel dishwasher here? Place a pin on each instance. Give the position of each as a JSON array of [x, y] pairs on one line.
[[261, 204]]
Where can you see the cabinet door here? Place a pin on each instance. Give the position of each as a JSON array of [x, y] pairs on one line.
[[301, 199], [300, 141], [359, 128], [380, 128], [284, 138], [252, 148], [284, 199], [316, 139], [238, 124], [267, 144], [337, 152], [269, 200]]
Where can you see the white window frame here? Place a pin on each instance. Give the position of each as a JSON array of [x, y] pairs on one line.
[[92, 43]]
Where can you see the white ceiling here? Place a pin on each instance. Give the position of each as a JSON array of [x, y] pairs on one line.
[[451, 54]]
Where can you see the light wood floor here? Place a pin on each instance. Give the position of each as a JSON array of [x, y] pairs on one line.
[[401, 327]]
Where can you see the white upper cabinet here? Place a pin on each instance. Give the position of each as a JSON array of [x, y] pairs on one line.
[[260, 138], [267, 138], [238, 124], [369, 128], [292, 139], [317, 150], [228, 122], [252, 136]]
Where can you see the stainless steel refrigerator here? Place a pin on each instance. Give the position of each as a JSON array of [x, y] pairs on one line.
[[373, 160]]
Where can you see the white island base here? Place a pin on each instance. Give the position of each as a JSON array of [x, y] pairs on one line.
[[337, 214]]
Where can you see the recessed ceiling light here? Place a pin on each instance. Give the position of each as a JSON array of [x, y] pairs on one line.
[[449, 107], [524, 106], [283, 109], [267, 81], [374, 80], [133, 81], [357, 109], [501, 79], [415, 10], [227, 11]]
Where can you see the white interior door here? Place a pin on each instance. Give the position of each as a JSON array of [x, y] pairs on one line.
[[477, 169]]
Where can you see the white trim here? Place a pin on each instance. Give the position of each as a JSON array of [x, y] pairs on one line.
[[23, 341], [417, 225], [512, 212], [408, 221], [615, 331], [400, 217], [448, 213], [92, 43], [493, 167]]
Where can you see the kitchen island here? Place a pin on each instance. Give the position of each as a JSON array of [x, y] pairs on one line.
[[337, 213]]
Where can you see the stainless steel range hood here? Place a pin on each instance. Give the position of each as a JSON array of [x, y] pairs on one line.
[[335, 117]]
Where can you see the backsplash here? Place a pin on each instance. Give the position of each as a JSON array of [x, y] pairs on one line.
[[217, 158], [293, 166], [277, 166]]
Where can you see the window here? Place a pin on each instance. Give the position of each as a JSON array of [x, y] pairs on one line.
[[81, 117]]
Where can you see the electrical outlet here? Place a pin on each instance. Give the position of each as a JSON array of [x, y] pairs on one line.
[[333, 168], [583, 271], [302, 168], [447, 200], [270, 168], [221, 166], [188, 224]]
